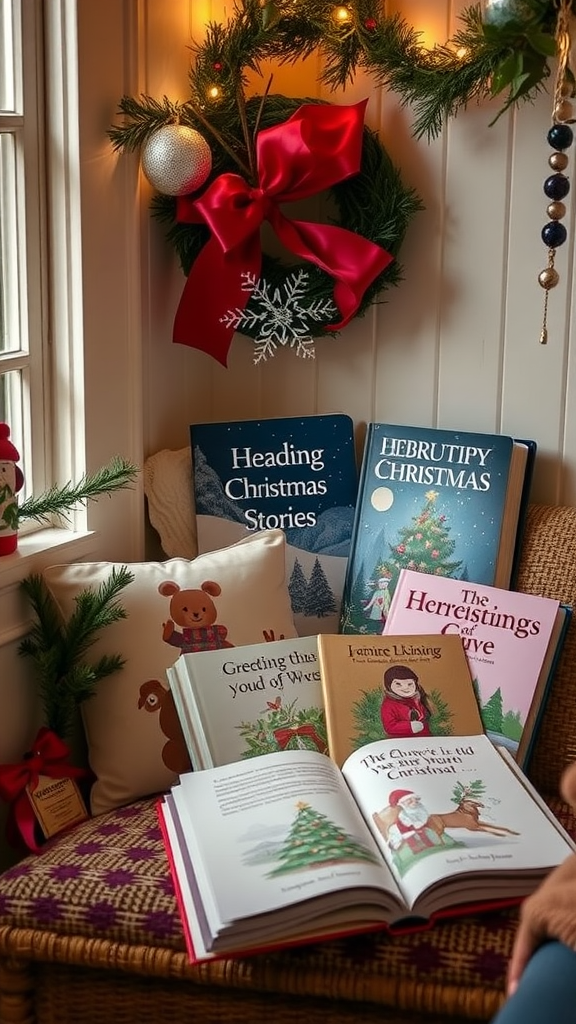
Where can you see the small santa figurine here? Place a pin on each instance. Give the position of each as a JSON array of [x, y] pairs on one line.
[[11, 480]]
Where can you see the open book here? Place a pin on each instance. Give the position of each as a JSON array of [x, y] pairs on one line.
[[288, 848]]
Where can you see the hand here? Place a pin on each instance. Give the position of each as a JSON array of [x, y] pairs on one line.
[[416, 726], [550, 913]]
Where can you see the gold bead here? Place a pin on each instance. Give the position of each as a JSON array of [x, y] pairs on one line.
[[567, 88], [556, 210], [558, 161], [563, 111], [548, 278]]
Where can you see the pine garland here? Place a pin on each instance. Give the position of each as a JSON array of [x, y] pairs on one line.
[[482, 59], [58, 649]]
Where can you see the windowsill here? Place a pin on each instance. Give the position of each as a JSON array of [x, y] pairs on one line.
[[42, 548]]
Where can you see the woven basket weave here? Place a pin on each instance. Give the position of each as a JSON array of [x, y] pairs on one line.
[[90, 934]]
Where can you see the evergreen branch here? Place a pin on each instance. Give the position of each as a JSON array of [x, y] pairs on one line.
[[95, 610], [56, 647], [143, 117], [58, 500]]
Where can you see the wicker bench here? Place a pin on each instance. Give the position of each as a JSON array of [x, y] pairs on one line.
[[89, 929]]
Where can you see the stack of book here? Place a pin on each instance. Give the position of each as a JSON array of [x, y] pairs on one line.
[[371, 775]]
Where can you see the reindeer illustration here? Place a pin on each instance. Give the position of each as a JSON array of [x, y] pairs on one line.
[[467, 815]]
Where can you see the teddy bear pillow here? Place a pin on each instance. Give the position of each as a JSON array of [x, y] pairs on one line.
[[236, 595]]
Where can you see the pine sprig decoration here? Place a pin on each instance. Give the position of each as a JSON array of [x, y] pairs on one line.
[[58, 649], [482, 59], [58, 501]]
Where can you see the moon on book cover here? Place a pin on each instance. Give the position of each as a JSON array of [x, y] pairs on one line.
[[382, 499]]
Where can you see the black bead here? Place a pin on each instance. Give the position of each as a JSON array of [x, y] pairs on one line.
[[556, 186], [554, 234], [560, 136]]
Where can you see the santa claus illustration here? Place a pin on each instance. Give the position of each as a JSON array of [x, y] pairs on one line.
[[408, 824]]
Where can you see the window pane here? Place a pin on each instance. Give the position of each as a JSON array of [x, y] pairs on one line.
[[11, 404], [7, 71], [10, 251]]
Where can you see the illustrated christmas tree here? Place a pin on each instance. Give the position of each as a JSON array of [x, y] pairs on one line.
[[492, 712], [425, 545], [319, 596], [297, 587], [314, 839]]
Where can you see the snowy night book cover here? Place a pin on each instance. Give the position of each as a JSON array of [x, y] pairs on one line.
[[295, 473], [451, 503]]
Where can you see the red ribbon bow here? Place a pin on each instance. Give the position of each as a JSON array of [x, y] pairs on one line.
[[49, 756], [318, 146], [283, 736]]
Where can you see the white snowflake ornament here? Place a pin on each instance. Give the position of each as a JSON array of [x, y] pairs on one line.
[[281, 315]]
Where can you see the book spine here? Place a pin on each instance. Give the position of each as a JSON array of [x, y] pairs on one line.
[[356, 524]]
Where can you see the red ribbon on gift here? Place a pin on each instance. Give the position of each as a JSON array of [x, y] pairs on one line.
[[283, 736], [317, 147], [49, 756]]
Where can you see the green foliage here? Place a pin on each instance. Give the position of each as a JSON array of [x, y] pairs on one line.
[[512, 725], [492, 712], [58, 649], [259, 736], [367, 722], [57, 501], [442, 715], [472, 790], [480, 60]]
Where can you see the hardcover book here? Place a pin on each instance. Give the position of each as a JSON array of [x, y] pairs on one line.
[[249, 700], [512, 642], [394, 687], [297, 474], [446, 502], [287, 848]]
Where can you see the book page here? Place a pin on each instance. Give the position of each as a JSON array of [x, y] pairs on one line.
[[273, 832], [447, 807]]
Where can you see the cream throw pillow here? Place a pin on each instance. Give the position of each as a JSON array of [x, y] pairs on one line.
[[134, 741]]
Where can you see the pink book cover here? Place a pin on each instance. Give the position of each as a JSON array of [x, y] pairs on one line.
[[511, 639]]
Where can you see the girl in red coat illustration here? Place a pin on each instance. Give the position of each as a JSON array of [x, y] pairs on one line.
[[405, 710]]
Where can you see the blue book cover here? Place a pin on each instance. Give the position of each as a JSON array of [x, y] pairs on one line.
[[446, 502], [295, 473]]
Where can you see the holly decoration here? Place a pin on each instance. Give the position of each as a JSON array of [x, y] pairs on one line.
[[284, 727]]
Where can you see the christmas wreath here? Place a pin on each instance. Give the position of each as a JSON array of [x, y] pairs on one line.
[[224, 167]]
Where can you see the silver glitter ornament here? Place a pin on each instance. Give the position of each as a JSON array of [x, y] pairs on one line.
[[176, 160]]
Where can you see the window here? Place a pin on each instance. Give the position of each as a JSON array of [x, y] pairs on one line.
[[23, 323]]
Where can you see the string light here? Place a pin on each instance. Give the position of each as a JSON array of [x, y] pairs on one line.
[[341, 15]]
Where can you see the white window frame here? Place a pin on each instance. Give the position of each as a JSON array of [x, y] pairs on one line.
[[55, 448]]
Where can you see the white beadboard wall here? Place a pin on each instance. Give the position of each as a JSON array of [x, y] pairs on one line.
[[455, 345]]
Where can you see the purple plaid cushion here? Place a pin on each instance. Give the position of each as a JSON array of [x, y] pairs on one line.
[[108, 877]]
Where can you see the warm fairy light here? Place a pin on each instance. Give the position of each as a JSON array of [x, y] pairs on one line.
[[462, 52], [341, 15], [214, 92]]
